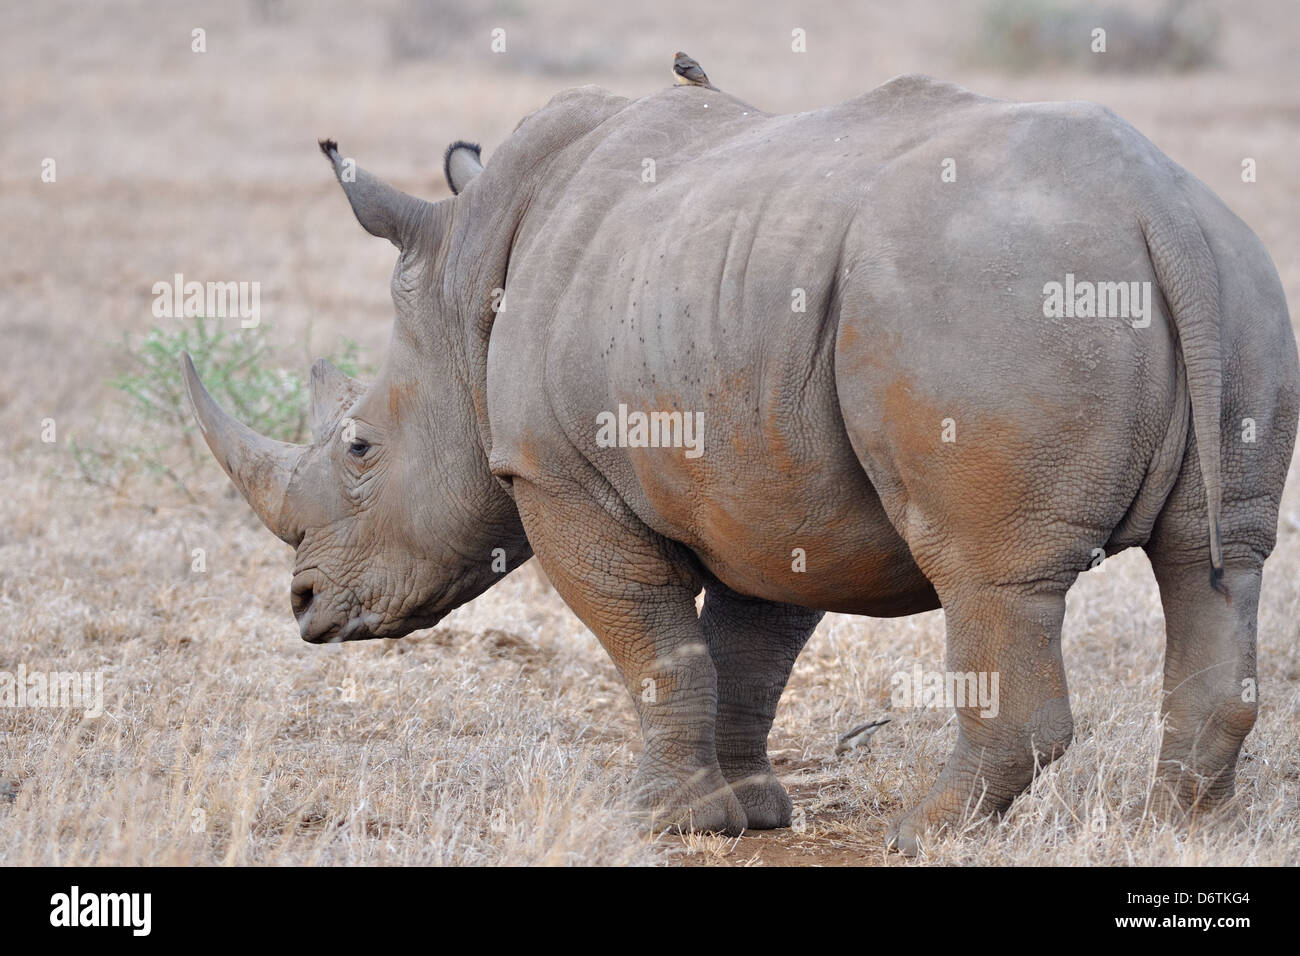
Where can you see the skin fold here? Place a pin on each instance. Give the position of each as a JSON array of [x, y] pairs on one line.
[[890, 420]]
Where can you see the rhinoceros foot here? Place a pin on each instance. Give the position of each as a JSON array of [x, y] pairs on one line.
[[702, 803], [1188, 788], [910, 833], [767, 805], [966, 790]]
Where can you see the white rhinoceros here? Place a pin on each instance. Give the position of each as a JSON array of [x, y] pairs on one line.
[[920, 349]]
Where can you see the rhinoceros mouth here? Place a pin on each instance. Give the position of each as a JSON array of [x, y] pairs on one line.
[[354, 629], [318, 621], [325, 621], [361, 627]]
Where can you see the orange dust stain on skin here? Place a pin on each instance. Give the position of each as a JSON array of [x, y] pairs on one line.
[[909, 420], [777, 450], [974, 487], [397, 396], [880, 353], [528, 455]]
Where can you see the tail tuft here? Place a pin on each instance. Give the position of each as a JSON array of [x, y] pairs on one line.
[[1216, 582]]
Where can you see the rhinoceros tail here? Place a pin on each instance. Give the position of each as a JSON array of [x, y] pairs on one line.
[[1189, 278]]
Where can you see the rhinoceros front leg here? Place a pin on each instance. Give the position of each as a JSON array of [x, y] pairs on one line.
[[1016, 636], [754, 644], [636, 591]]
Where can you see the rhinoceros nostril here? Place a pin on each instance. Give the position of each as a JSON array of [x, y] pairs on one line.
[[301, 595]]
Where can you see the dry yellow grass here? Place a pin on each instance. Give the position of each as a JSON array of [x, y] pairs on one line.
[[502, 736]]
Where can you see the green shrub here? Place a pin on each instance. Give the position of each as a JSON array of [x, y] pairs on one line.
[[236, 366]]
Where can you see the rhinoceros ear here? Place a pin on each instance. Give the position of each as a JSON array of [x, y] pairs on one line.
[[381, 209], [461, 163], [332, 394]]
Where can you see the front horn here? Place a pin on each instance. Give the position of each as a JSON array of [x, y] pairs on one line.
[[260, 468]]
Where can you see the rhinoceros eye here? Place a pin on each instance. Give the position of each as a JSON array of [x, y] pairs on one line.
[[358, 448]]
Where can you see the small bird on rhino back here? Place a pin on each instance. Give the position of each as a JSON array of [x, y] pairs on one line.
[[687, 72]]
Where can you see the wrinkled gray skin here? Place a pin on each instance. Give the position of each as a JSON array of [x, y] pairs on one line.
[[823, 429]]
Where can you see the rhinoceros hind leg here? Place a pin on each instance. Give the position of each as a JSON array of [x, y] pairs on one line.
[[636, 591], [1015, 634], [753, 644], [1210, 701]]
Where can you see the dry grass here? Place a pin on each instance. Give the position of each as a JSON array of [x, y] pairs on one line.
[[503, 736]]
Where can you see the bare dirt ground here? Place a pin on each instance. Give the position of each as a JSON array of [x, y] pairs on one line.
[[503, 736]]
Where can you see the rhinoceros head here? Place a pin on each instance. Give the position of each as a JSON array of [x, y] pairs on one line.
[[392, 510]]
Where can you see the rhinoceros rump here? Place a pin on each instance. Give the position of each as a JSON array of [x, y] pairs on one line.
[[852, 302]]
